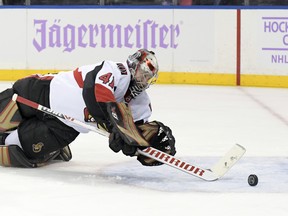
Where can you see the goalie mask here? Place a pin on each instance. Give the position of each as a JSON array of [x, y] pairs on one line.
[[144, 67]]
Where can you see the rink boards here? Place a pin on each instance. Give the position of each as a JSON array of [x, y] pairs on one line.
[[194, 45]]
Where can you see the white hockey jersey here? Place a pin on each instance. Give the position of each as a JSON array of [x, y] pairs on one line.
[[111, 82]]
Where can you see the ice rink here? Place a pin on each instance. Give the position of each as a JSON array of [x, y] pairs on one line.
[[206, 122]]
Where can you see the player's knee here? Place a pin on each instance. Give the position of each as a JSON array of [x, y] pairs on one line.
[[39, 138]]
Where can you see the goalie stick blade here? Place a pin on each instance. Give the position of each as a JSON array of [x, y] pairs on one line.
[[226, 162], [218, 170]]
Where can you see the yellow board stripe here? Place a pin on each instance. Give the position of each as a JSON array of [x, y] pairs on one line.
[[181, 78], [12, 75], [264, 81], [196, 78]]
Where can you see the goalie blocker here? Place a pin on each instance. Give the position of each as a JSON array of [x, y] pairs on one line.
[[127, 136]]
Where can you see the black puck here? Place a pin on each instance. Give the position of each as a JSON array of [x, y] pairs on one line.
[[252, 180]]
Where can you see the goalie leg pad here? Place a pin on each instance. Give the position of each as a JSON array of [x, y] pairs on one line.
[[10, 116], [13, 156], [65, 154]]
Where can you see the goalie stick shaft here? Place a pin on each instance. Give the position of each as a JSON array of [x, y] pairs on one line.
[[218, 170], [49, 111]]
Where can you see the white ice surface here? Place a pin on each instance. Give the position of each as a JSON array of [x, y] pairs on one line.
[[206, 121]]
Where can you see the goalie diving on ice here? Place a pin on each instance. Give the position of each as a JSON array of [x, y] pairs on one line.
[[41, 115], [217, 171], [94, 94]]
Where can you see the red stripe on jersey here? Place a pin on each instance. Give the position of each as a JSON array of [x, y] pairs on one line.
[[103, 94], [78, 77]]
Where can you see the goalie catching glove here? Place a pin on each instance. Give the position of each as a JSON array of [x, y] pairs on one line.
[[155, 133]]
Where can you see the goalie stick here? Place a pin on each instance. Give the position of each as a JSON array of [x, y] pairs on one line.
[[217, 171]]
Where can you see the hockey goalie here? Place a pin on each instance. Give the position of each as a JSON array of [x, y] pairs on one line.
[[109, 95]]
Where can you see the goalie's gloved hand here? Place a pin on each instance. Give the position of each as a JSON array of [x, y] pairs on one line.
[[116, 143], [160, 137]]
